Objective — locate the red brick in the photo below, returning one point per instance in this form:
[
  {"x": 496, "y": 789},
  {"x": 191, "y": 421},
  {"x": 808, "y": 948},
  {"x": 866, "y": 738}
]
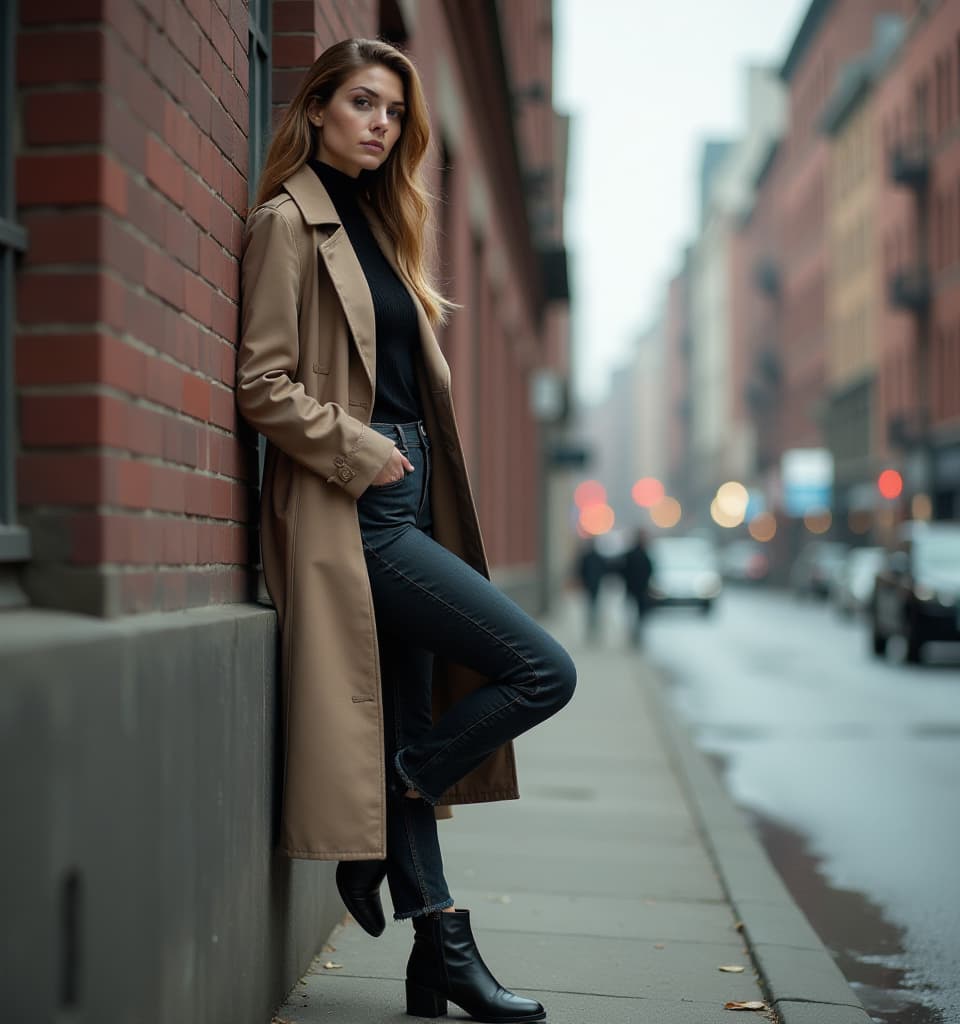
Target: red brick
[
  {"x": 50, "y": 58},
  {"x": 223, "y": 408},
  {"x": 129, "y": 23},
  {"x": 197, "y": 495},
  {"x": 212, "y": 67},
  {"x": 164, "y": 277},
  {"x": 129, "y": 79},
  {"x": 294, "y": 51},
  {"x": 241, "y": 64},
  {"x": 56, "y": 421},
  {"x": 164, "y": 384},
  {"x": 198, "y": 202},
  {"x": 62, "y": 237},
  {"x": 221, "y": 498},
  {"x": 165, "y": 170},
  {"x": 165, "y": 63},
  {"x": 63, "y": 118},
  {"x": 197, "y": 99},
  {"x": 125, "y": 137},
  {"x": 198, "y": 299},
  {"x": 293, "y": 16},
  {"x": 77, "y": 297},
  {"x": 70, "y": 479},
  {"x": 71, "y": 178},
  {"x": 182, "y": 30},
  {"x": 147, "y": 212},
  {"x": 221, "y": 36},
  {"x": 200, "y": 9},
  {"x": 196, "y": 397},
  {"x": 52, "y": 12},
  {"x": 225, "y": 320},
  {"x": 168, "y": 488},
  {"x": 181, "y": 134}
]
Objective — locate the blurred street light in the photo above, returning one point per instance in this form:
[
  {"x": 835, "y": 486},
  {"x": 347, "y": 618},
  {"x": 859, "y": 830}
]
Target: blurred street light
[
  {"x": 597, "y": 519},
  {"x": 647, "y": 492},
  {"x": 590, "y": 492},
  {"x": 763, "y": 528},
  {"x": 666, "y": 513},
  {"x": 818, "y": 521},
  {"x": 890, "y": 484}
]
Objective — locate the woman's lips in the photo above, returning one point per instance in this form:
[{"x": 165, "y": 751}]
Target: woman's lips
[{"x": 378, "y": 146}]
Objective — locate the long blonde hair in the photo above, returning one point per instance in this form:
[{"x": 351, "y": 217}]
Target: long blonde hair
[{"x": 395, "y": 191}]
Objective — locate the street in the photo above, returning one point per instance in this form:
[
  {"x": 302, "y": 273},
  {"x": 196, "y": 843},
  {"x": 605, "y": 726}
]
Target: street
[{"x": 850, "y": 769}]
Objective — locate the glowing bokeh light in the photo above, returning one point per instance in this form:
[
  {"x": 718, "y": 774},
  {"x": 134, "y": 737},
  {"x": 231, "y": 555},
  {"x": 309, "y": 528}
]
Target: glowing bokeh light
[
  {"x": 723, "y": 518},
  {"x": 647, "y": 492},
  {"x": 763, "y": 528},
  {"x": 732, "y": 499},
  {"x": 666, "y": 513},
  {"x": 818, "y": 521},
  {"x": 890, "y": 484},
  {"x": 597, "y": 519},
  {"x": 590, "y": 492}
]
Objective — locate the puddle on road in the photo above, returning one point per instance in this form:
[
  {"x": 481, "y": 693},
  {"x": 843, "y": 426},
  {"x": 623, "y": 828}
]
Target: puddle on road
[{"x": 868, "y": 948}]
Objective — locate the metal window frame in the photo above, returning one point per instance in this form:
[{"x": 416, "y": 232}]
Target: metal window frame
[
  {"x": 14, "y": 539},
  {"x": 260, "y": 72}
]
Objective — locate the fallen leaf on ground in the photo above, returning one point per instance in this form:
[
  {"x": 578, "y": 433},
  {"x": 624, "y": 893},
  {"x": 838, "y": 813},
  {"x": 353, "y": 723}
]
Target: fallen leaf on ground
[
  {"x": 732, "y": 968},
  {"x": 331, "y": 966},
  {"x": 327, "y": 948},
  {"x": 659, "y": 945},
  {"x": 752, "y": 1004},
  {"x": 739, "y": 926}
]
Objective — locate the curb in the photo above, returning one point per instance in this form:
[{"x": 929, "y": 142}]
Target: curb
[{"x": 801, "y": 980}]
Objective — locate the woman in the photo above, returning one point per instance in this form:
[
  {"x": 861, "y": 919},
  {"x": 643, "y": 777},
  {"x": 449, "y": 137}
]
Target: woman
[{"x": 406, "y": 674}]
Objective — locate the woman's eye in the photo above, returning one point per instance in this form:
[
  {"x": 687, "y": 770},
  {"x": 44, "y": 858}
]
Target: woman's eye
[
  {"x": 396, "y": 114},
  {"x": 362, "y": 101}
]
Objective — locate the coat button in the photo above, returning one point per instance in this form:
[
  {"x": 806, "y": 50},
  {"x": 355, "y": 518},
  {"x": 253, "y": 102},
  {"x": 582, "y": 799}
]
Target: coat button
[
  {"x": 346, "y": 474},
  {"x": 339, "y": 460}
]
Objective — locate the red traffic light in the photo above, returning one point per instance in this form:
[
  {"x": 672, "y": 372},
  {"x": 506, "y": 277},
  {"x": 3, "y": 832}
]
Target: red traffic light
[{"x": 890, "y": 484}]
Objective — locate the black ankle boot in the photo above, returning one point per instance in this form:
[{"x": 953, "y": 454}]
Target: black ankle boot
[
  {"x": 358, "y": 882},
  {"x": 445, "y": 964}
]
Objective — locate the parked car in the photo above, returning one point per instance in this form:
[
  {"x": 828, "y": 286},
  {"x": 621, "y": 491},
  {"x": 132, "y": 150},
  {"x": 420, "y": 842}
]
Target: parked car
[
  {"x": 816, "y": 566},
  {"x": 853, "y": 585},
  {"x": 744, "y": 561},
  {"x": 685, "y": 572},
  {"x": 917, "y": 592}
]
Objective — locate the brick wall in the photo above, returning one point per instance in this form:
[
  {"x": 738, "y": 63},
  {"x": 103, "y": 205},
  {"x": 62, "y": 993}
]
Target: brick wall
[{"x": 131, "y": 181}]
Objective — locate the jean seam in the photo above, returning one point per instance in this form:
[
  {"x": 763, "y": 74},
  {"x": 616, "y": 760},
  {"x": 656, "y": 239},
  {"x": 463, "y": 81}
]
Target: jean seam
[{"x": 411, "y": 844}]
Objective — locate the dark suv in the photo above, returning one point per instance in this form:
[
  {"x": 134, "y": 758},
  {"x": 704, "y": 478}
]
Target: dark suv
[{"x": 917, "y": 591}]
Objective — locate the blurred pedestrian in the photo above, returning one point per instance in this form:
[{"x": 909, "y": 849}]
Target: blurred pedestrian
[
  {"x": 637, "y": 569},
  {"x": 371, "y": 549},
  {"x": 591, "y": 568}
]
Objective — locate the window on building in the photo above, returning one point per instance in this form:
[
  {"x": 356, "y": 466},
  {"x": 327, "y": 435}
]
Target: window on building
[
  {"x": 260, "y": 93},
  {"x": 14, "y": 541}
]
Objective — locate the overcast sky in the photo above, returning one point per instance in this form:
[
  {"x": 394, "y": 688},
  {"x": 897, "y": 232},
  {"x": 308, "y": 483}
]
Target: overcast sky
[{"x": 646, "y": 82}]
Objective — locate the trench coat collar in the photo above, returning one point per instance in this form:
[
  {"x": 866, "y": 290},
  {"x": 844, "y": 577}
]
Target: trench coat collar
[{"x": 308, "y": 192}]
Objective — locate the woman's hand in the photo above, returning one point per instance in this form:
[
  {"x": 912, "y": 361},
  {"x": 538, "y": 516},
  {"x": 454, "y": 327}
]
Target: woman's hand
[{"x": 398, "y": 465}]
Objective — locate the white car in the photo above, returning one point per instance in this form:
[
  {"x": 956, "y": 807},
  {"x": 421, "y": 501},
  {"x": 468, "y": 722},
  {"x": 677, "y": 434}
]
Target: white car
[{"x": 685, "y": 572}]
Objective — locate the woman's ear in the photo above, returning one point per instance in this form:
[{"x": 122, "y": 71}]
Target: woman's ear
[{"x": 315, "y": 112}]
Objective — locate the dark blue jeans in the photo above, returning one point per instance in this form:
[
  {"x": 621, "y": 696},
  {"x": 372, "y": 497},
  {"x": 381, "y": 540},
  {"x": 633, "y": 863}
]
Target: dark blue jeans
[{"x": 429, "y": 602}]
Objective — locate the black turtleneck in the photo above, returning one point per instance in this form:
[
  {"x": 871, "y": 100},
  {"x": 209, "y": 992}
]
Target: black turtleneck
[{"x": 397, "y": 398}]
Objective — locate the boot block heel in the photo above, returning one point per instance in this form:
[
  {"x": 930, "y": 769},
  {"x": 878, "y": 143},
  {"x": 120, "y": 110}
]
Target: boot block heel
[{"x": 424, "y": 1002}]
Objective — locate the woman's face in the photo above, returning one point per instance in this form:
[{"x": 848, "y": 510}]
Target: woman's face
[{"x": 362, "y": 121}]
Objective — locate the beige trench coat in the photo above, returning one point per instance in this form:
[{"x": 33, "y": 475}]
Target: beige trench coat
[{"x": 306, "y": 375}]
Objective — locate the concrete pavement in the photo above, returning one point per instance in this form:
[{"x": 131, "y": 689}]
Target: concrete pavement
[{"x": 614, "y": 890}]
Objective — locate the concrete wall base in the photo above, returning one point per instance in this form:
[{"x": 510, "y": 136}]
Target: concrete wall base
[{"x": 139, "y": 801}]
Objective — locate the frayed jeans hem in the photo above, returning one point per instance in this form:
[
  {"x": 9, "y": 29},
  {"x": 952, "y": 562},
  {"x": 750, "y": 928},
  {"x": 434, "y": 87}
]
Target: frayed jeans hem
[
  {"x": 432, "y": 909},
  {"x": 411, "y": 783}
]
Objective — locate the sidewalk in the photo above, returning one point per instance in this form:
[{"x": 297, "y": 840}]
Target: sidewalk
[{"x": 614, "y": 890}]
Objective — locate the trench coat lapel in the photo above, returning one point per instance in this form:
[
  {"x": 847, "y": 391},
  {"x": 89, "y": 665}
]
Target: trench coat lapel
[{"x": 342, "y": 265}]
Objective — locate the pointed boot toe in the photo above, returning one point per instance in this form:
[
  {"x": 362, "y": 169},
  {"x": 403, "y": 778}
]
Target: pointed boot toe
[{"x": 358, "y": 882}]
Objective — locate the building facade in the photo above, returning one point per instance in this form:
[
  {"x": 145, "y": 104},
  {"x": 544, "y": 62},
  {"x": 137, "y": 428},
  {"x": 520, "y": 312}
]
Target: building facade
[{"x": 137, "y": 672}]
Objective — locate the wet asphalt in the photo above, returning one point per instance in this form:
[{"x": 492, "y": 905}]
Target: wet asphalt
[{"x": 849, "y": 768}]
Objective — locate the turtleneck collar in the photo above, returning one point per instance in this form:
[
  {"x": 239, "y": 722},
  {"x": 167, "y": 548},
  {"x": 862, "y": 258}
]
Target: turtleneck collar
[{"x": 338, "y": 184}]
